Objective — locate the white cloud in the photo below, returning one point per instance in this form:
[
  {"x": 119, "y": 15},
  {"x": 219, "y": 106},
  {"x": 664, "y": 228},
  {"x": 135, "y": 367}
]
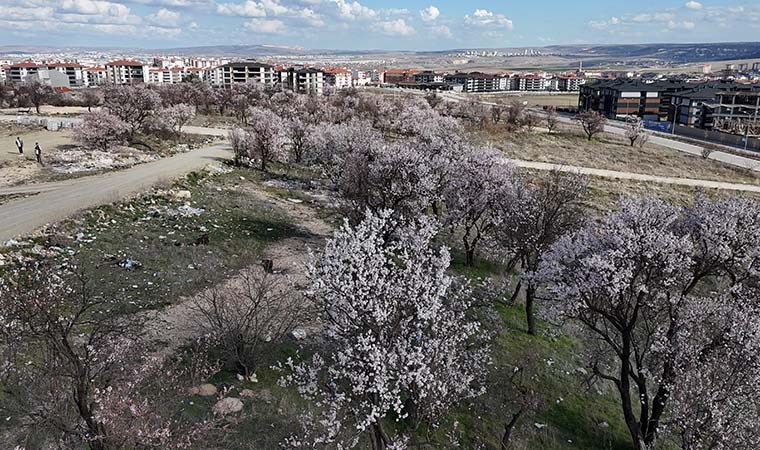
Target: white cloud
[
  {"x": 693, "y": 5},
  {"x": 265, "y": 26},
  {"x": 93, "y": 7},
  {"x": 682, "y": 25},
  {"x": 396, "y": 27},
  {"x": 164, "y": 18},
  {"x": 353, "y": 10},
  {"x": 442, "y": 31},
  {"x": 246, "y": 9},
  {"x": 430, "y": 13},
  {"x": 485, "y": 18}
]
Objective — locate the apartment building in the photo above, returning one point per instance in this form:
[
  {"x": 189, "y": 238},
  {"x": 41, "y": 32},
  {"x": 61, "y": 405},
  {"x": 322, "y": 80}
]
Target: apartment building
[
  {"x": 620, "y": 98},
  {"x": 338, "y": 77},
  {"x": 18, "y": 72},
  {"x": 305, "y": 80},
  {"x": 125, "y": 71},
  {"x": 94, "y": 76},
  {"x": 428, "y": 76},
  {"x": 395, "y": 76},
  {"x": 479, "y": 82},
  {"x": 532, "y": 83},
  {"x": 73, "y": 71},
  {"x": 244, "y": 72},
  {"x": 737, "y": 111}
]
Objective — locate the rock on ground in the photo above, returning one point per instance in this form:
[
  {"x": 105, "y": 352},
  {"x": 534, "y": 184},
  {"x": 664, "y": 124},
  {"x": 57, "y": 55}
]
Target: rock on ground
[
  {"x": 227, "y": 406},
  {"x": 204, "y": 390}
]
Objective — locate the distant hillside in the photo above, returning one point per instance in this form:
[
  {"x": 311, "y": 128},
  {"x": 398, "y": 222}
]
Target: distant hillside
[{"x": 677, "y": 53}]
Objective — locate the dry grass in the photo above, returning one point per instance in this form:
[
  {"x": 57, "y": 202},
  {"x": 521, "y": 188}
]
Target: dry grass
[
  {"x": 535, "y": 100},
  {"x": 568, "y": 146}
]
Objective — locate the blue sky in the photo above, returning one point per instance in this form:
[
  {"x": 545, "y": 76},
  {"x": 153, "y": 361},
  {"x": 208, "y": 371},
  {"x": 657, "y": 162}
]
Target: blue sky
[{"x": 373, "y": 24}]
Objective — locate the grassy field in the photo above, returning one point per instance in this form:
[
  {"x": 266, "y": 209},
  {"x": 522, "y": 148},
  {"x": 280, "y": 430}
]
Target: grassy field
[{"x": 570, "y": 147}]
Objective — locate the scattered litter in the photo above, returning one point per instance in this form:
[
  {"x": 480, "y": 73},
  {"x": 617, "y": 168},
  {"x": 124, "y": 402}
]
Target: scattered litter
[
  {"x": 295, "y": 200},
  {"x": 189, "y": 211}
]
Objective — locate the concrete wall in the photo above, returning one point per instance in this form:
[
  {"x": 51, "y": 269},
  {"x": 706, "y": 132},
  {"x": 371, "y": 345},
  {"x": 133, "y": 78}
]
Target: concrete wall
[{"x": 50, "y": 123}]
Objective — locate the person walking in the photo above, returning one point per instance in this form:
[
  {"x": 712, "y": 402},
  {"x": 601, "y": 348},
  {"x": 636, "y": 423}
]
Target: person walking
[
  {"x": 20, "y": 146},
  {"x": 38, "y": 153}
]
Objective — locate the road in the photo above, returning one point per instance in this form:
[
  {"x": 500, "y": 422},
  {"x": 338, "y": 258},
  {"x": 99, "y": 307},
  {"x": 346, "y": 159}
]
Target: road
[
  {"x": 724, "y": 157},
  {"x": 637, "y": 176},
  {"x": 57, "y": 201}
]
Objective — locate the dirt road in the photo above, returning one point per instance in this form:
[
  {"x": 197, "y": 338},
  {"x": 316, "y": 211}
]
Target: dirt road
[{"x": 57, "y": 201}]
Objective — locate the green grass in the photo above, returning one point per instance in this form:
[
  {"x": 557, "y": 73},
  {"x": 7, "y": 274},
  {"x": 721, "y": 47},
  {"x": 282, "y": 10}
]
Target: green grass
[{"x": 174, "y": 261}]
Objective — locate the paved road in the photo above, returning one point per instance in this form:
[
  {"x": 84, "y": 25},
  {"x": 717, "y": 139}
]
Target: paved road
[{"x": 57, "y": 201}]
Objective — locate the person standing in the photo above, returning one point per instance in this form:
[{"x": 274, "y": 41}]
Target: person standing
[
  {"x": 20, "y": 146},
  {"x": 38, "y": 152}
]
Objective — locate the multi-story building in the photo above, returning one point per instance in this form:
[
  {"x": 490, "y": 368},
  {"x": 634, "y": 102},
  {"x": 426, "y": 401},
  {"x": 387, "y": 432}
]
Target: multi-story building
[
  {"x": 737, "y": 112},
  {"x": 94, "y": 76},
  {"x": 394, "y": 76},
  {"x": 338, "y": 77},
  {"x": 532, "y": 83},
  {"x": 428, "y": 76},
  {"x": 18, "y": 72},
  {"x": 244, "y": 72},
  {"x": 305, "y": 80},
  {"x": 4, "y": 72},
  {"x": 479, "y": 82},
  {"x": 73, "y": 70},
  {"x": 623, "y": 97},
  {"x": 125, "y": 71}
]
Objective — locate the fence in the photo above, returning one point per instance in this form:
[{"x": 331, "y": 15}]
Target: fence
[{"x": 719, "y": 137}]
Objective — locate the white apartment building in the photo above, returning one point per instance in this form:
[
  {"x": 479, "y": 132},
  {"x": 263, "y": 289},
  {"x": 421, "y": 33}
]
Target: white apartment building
[
  {"x": 361, "y": 77},
  {"x": 18, "y": 72},
  {"x": 124, "y": 71},
  {"x": 338, "y": 77},
  {"x": 74, "y": 71},
  {"x": 94, "y": 76},
  {"x": 532, "y": 83}
]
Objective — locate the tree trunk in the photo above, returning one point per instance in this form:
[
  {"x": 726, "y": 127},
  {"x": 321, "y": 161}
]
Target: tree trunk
[
  {"x": 530, "y": 295},
  {"x": 624, "y": 389},
  {"x": 508, "y": 428},
  {"x": 469, "y": 257},
  {"x": 379, "y": 437}
]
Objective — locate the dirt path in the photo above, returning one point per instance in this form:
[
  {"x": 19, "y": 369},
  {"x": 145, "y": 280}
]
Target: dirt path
[
  {"x": 637, "y": 176},
  {"x": 59, "y": 201},
  {"x": 175, "y": 326}
]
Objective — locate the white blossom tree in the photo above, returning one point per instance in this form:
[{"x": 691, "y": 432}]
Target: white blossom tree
[
  {"x": 636, "y": 282},
  {"x": 134, "y": 105},
  {"x": 635, "y": 132},
  {"x": 101, "y": 130},
  {"x": 541, "y": 213},
  {"x": 592, "y": 123},
  {"x": 266, "y": 136},
  {"x": 400, "y": 342},
  {"x": 484, "y": 185},
  {"x": 176, "y": 116}
]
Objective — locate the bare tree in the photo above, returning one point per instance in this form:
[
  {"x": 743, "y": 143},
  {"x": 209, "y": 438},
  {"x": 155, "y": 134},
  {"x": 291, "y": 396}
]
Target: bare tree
[
  {"x": 551, "y": 118},
  {"x": 36, "y": 93},
  {"x": 592, "y": 123},
  {"x": 248, "y": 312}
]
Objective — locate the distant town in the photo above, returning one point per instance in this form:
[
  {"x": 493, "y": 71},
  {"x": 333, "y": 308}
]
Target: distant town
[{"x": 719, "y": 102}]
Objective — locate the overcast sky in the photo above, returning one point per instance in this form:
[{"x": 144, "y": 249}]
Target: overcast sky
[{"x": 373, "y": 24}]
